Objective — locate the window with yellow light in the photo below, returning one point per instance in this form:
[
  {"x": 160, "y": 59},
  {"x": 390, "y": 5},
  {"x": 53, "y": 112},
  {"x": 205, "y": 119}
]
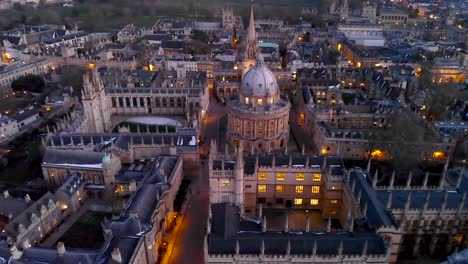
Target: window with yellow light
[
  {"x": 280, "y": 176},
  {"x": 438, "y": 155},
  {"x": 262, "y": 188},
  {"x": 262, "y": 176},
  {"x": 315, "y": 189},
  {"x": 300, "y": 177},
  {"x": 316, "y": 177},
  {"x": 298, "y": 201},
  {"x": 314, "y": 201},
  {"x": 334, "y": 201},
  {"x": 299, "y": 188},
  {"x": 279, "y": 188}
]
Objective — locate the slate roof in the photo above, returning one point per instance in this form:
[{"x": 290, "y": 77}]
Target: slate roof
[
  {"x": 34, "y": 255},
  {"x": 418, "y": 198},
  {"x": 24, "y": 114},
  {"x": 158, "y": 37},
  {"x": 78, "y": 157},
  {"x": 173, "y": 44},
  {"x": 227, "y": 228},
  {"x": 332, "y": 162},
  {"x": 377, "y": 214},
  {"x": 12, "y": 39},
  {"x": 25, "y": 217},
  {"x": 12, "y": 205},
  {"x": 122, "y": 140}
]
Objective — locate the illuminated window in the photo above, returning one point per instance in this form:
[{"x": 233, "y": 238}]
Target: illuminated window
[
  {"x": 314, "y": 201},
  {"x": 262, "y": 188},
  {"x": 247, "y": 100},
  {"x": 224, "y": 183},
  {"x": 317, "y": 177},
  {"x": 300, "y": 177},
  {"x": 299, "y": 188},
  {"x": 279, "y": 188},
  {"x": 262, "y": 176},
  {"x": 315, "y": 189},
  {"x": 333, "y": 201},
  {"x": 298, "y": 201},
  {"x": 260, "y": 102},
  {"x": 280, "y": 176},
  {"x": 458, "y": 239},
  {"x": 122, "y": 188}
]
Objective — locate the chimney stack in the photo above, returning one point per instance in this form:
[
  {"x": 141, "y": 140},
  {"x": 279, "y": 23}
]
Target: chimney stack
[
  {"x": 61, "y": 249},
  {"x": 116, "y": 256}
]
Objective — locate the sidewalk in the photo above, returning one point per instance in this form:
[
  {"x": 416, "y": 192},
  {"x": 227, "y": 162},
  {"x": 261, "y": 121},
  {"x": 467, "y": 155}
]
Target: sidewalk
[{"x": 63, "y": 228}]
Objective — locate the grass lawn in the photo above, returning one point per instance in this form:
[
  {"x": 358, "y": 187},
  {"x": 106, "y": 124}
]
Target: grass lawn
[{"x": 86, "y": 233}]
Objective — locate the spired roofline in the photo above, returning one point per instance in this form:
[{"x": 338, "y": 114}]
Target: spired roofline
[{"x": 251, "y": 33}]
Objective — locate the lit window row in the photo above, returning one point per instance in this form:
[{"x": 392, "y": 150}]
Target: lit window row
[
  {"x": 300, "y": 201},
  {"x": 281, "y": 176},
  {"x": 281, "y": 188}
]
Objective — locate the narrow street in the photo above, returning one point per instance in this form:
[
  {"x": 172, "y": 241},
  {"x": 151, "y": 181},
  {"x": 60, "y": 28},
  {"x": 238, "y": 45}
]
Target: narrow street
[{"x": 186, "y": 243}]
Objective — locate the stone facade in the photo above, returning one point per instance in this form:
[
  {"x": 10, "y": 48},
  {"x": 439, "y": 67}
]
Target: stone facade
[{"x": 173, "y": 95}]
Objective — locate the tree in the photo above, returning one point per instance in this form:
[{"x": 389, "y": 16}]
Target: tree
[
  {"x": 398, "y": 139},
  {"x": 72, "y": 75},
  {"x": 201, "y": 36},
  {"x": 440, "y": 96},
  {"x": 32, "y": 83}
]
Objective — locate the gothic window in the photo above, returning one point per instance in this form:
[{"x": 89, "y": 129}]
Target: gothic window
[
  {"x": 127, "y": 102},
  {"x": 171, "y": 102},
  {"x": 164, "y": 102},
  {"x": 121, "y": 102},
  {"x": 114, "y": 103},
  {"x": 158, "y": 102},
  {"x": 148, "y": 102},
  {"x": 134, "y": 102},
  {"x": 142, "y": 101}
]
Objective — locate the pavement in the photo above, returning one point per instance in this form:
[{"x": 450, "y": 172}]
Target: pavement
[{"x": 63, "y": 227}]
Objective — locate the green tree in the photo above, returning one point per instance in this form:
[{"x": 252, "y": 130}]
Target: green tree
[{"x": 32, "y": 83}]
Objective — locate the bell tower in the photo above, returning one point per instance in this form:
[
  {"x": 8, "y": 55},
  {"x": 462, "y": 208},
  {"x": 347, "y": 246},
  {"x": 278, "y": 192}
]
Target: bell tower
[
  {"x": 228, "y": 19},
  {"x": 95, "y": 103}
]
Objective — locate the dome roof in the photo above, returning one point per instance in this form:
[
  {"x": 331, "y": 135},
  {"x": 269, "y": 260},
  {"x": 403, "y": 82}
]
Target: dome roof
[{"x": 259, "y": 81}]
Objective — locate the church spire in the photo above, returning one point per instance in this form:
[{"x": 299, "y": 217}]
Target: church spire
[
  {"x": 252, "y": 35},
  {"x": 251, "y": 40}
]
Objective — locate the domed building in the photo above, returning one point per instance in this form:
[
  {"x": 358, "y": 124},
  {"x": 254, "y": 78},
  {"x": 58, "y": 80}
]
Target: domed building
[{"x": 258, "y": 118}]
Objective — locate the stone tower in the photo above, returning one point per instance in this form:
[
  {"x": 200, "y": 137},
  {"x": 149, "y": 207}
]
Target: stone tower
[
  {"x": 251, "y": 48},
  {"x": 95, "y": 104},
  {"x": 344, "y": 11},
  {"x": 369, "y": 10},
  {"x": 333, "y": 7},
  {"x": 228, "y": 19}
]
